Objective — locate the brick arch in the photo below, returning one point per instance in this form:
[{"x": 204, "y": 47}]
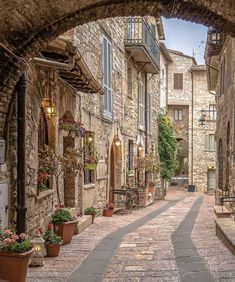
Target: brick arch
[{"x": 27, "y": 25}]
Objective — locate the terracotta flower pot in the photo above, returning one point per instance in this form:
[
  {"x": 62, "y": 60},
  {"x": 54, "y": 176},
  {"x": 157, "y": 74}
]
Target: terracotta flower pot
[
  {"x": 108, "y": 212},
  {"x": 53, "y": 250},
  {"x": 14, "y": 266},
  {"x": 65, "y": 230}
]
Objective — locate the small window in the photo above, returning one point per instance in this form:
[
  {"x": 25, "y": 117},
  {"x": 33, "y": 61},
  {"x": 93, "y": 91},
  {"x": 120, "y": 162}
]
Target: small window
[
  {"x": 178, "y": 81},
  {"x": 210, "y": 142},
  {"x": 107, "y": 79},
  {"x": 212, "y": 112},
  {"x": 178, "y": 114},
  {"x": 130, "y": 155},
  {"x": 141, "y": 105}
]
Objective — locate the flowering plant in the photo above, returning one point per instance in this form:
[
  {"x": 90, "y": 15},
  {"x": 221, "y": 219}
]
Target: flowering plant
[
  {"x": 12, "y": 243},
  {"x": 110, "y": 205},
  {"x": 72, "y": 125},
  {"x": 61, "y": 215},
  {"x": 41, "y": 180},
  {"x": 50, "y": 237}
]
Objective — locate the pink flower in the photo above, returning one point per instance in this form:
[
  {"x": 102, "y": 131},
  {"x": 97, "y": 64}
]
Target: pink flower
[
  {"x": 22, "y": 236},
  {"x": 14, "y": 237},
  {"x": 7, "y": 241},
  {"x": 50, "y": 226},
  {"x": 40, "y": 230},
  {"x": 8, "y": 232}
]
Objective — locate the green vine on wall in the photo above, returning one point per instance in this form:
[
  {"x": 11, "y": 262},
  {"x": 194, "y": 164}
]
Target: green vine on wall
[{"x": 167, "y": 147}]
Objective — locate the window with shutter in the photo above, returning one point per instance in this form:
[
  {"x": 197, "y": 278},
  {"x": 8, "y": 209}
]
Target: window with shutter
[
  {"x": 149, "y": 114},
  {"x": 212, "y": 112},
  {"x": 178, "y": 81},
  {"x": 129, "y": 80},
  {"x": 141, "y": 105},
  {"x": 107, "y": 80},
  {"x": 130, "y": 155},
  {"x": 210, "y": 142},
  {"x": 178, "y": 114}
]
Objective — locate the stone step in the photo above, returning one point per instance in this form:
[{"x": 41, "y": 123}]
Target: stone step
[
  {"x": 221, "y": 212},
  {"x": 83, "y": 223},
  {"x": 225, "y": 230}
]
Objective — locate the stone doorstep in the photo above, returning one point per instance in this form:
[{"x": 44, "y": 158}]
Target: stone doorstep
[
  {"x": 222, "y": 213},
  {"x": 225, "y": 230},
  {"x": 83, "y": 223}
]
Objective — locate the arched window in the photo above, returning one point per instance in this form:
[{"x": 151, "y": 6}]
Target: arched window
[{"x": 221, "y": 165}]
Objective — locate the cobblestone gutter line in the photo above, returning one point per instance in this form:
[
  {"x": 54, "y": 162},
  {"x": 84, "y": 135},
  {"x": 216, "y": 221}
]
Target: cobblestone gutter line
[
  {"x": 147, "y": 254},
  {"x": 219, "y": 259},
  {"x": 71, "y": 256},
  {"x": 190, "y": 264}
]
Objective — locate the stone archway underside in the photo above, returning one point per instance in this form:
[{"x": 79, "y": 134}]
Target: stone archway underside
[{"x": 27, "y": 25}]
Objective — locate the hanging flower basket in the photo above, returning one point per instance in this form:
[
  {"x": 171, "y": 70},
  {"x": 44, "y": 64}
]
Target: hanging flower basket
[
  {"x": 72, "y": 126},
  {"x": 91, "y": 165}
]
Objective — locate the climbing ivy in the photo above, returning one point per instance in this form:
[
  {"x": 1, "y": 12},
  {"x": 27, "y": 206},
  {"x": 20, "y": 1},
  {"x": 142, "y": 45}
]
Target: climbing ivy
[{"x": 167, "y": 147}]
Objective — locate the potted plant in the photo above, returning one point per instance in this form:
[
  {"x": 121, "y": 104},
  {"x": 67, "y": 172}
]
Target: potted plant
[
  {"x": 72, "y": 126},
  {"x": 52, "y": 241},
  {"x": 55, "y": 164},
  {"x": 91, "y": 211},
  {"x": 64, "y": 224},
  {"x": 108, "y": 211},
  {"x": 15, "y": 253}
]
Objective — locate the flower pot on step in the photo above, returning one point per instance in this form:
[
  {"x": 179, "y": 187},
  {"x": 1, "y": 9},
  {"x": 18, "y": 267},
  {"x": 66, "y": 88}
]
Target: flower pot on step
[
  {"x": 108, "y": 212},
  {"x": 14, "y": 266},
  {"x": 65, "y": 230},
  {"x": 53, "y": 250}
]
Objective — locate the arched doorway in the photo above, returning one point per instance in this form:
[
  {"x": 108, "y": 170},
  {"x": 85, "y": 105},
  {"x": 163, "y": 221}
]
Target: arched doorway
[
  {"x": 228, "y": 142},
  {"x": 115, "y": 169},
  {"x": 220, "y": 165},
  {"x": 69, "y": 179}
]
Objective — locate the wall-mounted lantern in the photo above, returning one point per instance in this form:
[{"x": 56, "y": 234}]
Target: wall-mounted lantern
[
  {"x": 49, "y": 108},
  {"x": 202, "y": 119},
  {"x": 117, "y": 140}
]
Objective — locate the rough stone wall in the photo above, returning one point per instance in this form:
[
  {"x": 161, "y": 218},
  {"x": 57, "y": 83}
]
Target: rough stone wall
[
  {"x": 163, "y": 83},
  {"x": 89, "y": 39},
  {"x": 204, "y": 159},
  {"x": 182, "y": 98},
  {"x": 226, "y": 112}
]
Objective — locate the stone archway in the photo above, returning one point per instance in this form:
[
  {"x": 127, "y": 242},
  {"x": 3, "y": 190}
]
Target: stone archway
[{"x": 26, "y": 26}]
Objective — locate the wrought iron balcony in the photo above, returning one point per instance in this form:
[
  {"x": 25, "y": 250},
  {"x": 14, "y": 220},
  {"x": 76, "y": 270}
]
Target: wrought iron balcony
[
  {"x": 215, "y": 41},
  {"x": 142, "y": 45}
]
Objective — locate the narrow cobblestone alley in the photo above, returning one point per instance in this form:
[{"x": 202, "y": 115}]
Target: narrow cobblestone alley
[{"x": 143, "y": 246}]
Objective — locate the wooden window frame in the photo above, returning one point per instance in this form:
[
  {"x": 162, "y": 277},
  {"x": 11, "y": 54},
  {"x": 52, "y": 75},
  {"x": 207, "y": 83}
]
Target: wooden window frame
[
  {"x": 178, "y": 117},
  {"x": 107, "y": 77},
  {"x": 178, "y": 81}
]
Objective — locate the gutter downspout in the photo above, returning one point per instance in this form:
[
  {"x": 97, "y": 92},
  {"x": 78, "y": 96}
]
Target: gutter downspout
[
  {"x": 50, "y": 63},
  {"x": 192, "y": 128},
  {"x": 21, "y": 159}
]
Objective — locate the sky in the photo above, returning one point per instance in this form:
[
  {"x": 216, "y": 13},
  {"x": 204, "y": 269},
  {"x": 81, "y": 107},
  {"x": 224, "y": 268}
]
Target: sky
[{"x": 186, "y": 37}]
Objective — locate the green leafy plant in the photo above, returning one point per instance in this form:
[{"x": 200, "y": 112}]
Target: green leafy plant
[
  {"x": 90, "y": 210},
  {"x": 167, "y": 147},
  {"x": 61, "y": 216},
  {"x": 50, "y": 237},
  {"x": 12, "y": 243}
]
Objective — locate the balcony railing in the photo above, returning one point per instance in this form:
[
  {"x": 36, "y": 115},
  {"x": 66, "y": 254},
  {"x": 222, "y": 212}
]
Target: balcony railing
[
  {"x": 215, "y": 41},
  {"x": 140, "y": 35}
]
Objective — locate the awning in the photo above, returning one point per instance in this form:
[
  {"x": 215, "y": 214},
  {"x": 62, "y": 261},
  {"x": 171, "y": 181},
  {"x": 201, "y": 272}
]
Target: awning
[{"x": 79, "y": 76}]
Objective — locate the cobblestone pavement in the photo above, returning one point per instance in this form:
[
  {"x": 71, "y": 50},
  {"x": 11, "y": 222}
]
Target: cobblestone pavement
[{"x": 145, "y": 253}]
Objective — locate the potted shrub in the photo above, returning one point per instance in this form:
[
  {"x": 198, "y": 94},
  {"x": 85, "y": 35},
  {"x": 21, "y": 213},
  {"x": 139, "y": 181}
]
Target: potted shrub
[
  {"x": 52, "y": 241},
  {"x": 64, "y": 224},
  {"x": 91, "y": 211},
  {"x": 108, "y": 211},
  {"x": 15, "y": 253}
]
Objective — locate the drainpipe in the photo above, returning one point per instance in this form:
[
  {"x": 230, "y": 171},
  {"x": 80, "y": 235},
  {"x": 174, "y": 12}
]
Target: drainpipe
[
  {"x": 21, "y": 166},
  {"x": 192, "y": 129},
  {"x": 146, "y": 120}
]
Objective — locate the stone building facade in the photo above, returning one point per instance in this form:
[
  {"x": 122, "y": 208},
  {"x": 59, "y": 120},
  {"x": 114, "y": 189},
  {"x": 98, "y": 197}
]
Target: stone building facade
[
  {"x": 122, "y": 123},
  {"x": 189, "y": 100},
  {"x": 220, "y": 58}
]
